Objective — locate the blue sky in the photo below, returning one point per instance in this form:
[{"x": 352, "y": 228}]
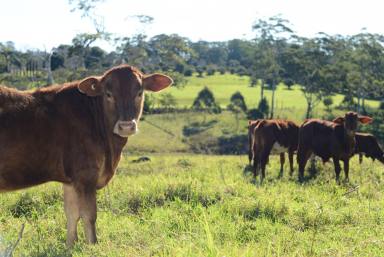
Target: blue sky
[{"x": 44, "y": 24}]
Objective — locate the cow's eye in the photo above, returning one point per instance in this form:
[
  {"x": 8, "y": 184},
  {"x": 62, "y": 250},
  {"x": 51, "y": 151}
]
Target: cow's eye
[{"x": 140, "y": 94}]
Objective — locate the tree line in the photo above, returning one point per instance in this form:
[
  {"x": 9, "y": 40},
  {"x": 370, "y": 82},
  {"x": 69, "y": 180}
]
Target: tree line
[{"x": 322, "y": 65}]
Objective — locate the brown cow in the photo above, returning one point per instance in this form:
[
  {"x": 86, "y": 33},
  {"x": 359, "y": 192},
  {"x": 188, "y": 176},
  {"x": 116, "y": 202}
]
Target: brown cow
[
  {"x": 367, "y": 144},
  {"x": 74, "y": 134},
  {"x": 251, "y": 134},
  {"x": 272, "y": 136},
  {"x": 329, "y": 139}
]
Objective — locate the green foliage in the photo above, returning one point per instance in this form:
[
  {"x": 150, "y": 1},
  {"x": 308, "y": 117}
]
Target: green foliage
[
  {"x": 263, "y": 107},
  {"x": 57, "y": 61},
  {"x": 149, "y": 103},
  {"x": 237, "y": 99},
  {"x": 167, "y": 101},
  {"x": 348, "y": 103},
  {"x": 327, "y": 101},
  {"x": 254, "y": 114},
  {"x": 206, "y": 101},
  {"x": 261, "y": 112}
]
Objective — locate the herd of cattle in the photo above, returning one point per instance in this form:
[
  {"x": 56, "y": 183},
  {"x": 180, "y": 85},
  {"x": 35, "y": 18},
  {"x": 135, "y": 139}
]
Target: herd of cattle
[
  {"x": 74, "y": 134},
  {"x": 335, "y": 139}
]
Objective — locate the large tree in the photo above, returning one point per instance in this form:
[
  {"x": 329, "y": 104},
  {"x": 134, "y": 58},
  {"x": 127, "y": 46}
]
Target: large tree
[{"x": 271, "y": 39}]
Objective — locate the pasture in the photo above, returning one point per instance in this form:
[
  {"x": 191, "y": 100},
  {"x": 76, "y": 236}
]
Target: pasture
[
  {"x": 290, "y": 103},
  {"x": 187, "y": 204},
  {"x": 197, "y": 205}
]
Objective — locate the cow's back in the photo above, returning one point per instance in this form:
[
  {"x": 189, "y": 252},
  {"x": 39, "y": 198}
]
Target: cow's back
[
  {"x": 322, "y": 137},
  {"x": 45, "y": 136},
  {"x": 287, "y": 133}
]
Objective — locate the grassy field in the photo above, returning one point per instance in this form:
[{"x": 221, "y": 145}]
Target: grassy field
[
  {"x": 184, "y": 204},
  {"x": 289, "y": 103},
  {"x": 193, "y": 205}
]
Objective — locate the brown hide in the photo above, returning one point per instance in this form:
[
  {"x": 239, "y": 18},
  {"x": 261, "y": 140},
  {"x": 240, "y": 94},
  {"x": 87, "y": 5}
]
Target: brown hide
[
  {"x": 265, "y": 135},
  {"x": 74, "y": 134},
  {"x": 329, "y": 139},
  {"x": 367, "y": 144}
]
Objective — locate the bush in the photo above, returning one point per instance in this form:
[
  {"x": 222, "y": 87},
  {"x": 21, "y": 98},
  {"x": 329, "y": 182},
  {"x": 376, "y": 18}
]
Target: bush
[
  {"x": 211, "y": 69},
  {"x": 328, "y": 101},
  {"x": 167, "y": 101},
  {"x": 347, "y": 103},
  {"x": 188, "y": 72},
  {"x": 206, "y": 101},
  {"x": 289, "y": 83},
  {"x": 254, "y": 114},
  {"x": 381, "y": 106},
  {"x": 263, "y": 107},
  {"x": 149, "y": 103},
  {"x": 237, "y": 99},
  {"x": 235, "y": 144},
  {"x": 180, "y": 68}
]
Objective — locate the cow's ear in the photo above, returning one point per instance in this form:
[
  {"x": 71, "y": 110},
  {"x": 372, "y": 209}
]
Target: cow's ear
[
  {"x": 90, "y": 86},
  {"x": 365, "y": 119},
  {"x": 339, "y": 120},
  {"x": 156, "y": 82}
]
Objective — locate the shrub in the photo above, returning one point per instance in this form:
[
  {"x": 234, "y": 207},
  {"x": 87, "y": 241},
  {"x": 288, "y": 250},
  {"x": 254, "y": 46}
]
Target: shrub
[
  {"x": 167, "y": 101},
  {"x": 254, "y": 114},
  {"x": 237, "y": 99},
  {"x": 263, "y": 107},
  {"x": 188, "y": 72},
  {"x": 206, "y": 101}
]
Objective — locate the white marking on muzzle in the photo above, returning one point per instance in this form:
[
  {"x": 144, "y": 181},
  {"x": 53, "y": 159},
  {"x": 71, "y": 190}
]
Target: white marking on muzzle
[{"x": 125, "y": 128}]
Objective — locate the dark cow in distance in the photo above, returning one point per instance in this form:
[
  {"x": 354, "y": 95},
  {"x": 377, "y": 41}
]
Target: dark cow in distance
[
  {"x": 367, "y": 144},
  {"x": 329, "y": 139},
  {"x": 73, "y": 134},
  {"x": 271, "y": 136}
]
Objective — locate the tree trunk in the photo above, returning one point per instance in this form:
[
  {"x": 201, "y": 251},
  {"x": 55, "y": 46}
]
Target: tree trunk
[
  {"x": 262, "y": 89},
  {"x": 50, "y": 80},
  {"x": 358, "y": 104},
  {"x": 309, "y": 109},
  {"x": 273, "y": 100}
]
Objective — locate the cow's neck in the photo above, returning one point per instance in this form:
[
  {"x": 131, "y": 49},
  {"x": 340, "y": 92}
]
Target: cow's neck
[{"x": 350, "y": 141}]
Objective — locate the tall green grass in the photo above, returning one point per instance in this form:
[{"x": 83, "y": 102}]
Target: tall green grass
[{"x": 195, "y": 205}]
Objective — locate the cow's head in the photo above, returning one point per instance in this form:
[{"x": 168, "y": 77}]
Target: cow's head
[
  {"x": 122, "y": 89},
  {"x": 351, "y": 119}
]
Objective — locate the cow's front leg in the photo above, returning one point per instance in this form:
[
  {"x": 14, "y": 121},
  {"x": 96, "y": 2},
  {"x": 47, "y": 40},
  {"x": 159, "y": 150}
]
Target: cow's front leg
[
  {"x": 88, "y": 212},
  {"x": 290, "y": 157},
  {"x": 282, "y": 161},
  {"x": 346, "y": 169},
  {"x": 72, "y": 212},
  {"x": 336, "y": 163}
]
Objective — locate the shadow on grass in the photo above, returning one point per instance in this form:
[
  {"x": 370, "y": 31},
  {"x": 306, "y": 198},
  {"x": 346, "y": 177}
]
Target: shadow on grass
[{"x": 313, "y": 173}]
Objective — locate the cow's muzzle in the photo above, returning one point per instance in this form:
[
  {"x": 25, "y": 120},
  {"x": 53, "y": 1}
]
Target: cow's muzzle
[{"x": 125, "y": 128}]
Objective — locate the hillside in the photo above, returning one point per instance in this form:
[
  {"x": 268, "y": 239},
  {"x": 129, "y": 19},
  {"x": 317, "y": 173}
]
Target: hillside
[{"x": 289, "y": 103}]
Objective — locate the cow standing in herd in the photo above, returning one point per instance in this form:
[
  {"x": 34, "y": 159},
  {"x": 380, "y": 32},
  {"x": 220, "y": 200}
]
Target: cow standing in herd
[
  {"x": 366, "y": 144},
  {"x": 271, "y": 136},
  {"x": 329, "y": 139},
  {"x": 74, "y": 134}
]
